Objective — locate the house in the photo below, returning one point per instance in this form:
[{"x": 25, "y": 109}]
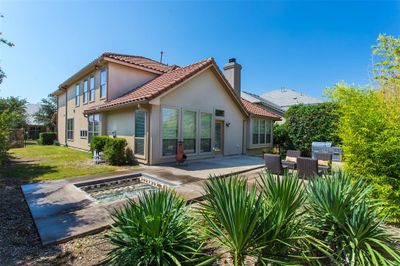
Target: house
[
  {"x": 288, "y": 97},
  {"x": 153, "y": 106},
  {"x": 33, "y": 128},
  {"x": 264, "y": 103}
]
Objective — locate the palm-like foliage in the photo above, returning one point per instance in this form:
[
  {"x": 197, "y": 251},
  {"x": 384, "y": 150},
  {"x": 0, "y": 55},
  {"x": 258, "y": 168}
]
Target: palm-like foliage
[
  {"x": 348, "y": 223},
  {"x": 156, "y": 230},
  {"x": 232, "y": 212}
]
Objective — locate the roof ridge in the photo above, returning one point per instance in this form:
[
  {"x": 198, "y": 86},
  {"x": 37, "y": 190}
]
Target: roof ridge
[{"x": 136, "y": 56}]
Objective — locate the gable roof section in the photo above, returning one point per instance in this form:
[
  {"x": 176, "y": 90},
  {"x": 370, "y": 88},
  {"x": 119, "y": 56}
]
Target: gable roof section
[
  {"x": 254, "y": 109},
  {"x": 164, "y": 83},
  {"x": 140, "y": 61}
]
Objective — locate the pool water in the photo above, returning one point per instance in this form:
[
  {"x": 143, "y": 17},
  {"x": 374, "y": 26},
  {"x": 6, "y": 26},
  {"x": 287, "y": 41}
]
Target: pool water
[{"x": 113, "y": 191}]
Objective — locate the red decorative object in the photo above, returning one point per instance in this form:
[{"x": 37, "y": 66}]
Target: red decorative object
[{"x": 180, "y": 155}]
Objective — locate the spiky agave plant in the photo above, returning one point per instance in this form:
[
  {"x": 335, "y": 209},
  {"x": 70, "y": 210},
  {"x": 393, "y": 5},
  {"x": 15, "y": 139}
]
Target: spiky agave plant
[
  {"x": 232, "y": 212},
  {"x": 348, "y": 221},
  {"x": 156, "y": 230},
  {"x": 286, "y": 240}
]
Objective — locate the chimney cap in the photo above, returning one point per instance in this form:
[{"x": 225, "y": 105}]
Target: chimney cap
[{"x": 232, "y": 60}]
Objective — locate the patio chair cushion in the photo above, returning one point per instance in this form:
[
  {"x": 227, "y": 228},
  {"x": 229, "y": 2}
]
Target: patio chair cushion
[
  {"x": 291, "y": 159},
  {"x": 323, "y": 162}
]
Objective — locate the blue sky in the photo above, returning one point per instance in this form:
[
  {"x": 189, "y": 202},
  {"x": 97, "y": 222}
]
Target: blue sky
[{"x": 306, "y": 46}]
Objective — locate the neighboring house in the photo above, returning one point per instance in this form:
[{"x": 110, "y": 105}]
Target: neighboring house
[
  {"x": 33, "y": 128},
  {"x": 264, "y": 103},
  {"x": 153, "y": 106},
  {"x": 288, "y": 97}
]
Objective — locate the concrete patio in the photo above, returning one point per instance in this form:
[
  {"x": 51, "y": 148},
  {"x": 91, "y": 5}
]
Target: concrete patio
[{"x": 61, "y": 211}]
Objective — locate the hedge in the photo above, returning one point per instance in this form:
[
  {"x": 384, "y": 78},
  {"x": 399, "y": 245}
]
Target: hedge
[
  {"x": 47, "y": 138},
  {"x": 98, "y": 142},
  {"x": 114, "y": 151}
]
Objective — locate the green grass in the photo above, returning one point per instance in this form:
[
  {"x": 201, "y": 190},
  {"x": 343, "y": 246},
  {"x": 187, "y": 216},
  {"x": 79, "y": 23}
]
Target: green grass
[{"x": 40, "y": 163}]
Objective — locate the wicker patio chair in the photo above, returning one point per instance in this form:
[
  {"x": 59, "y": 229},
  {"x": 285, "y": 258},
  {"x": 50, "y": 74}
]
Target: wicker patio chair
[
  {"x": 324, "y": 162},
  {"x": 307, "y": 167},
  {"x": 291, "y": 159},
  {"x": 273, "y": 163}
]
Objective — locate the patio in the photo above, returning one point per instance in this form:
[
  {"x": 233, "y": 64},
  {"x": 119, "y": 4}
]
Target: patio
[{"x": 61, "y": 211}]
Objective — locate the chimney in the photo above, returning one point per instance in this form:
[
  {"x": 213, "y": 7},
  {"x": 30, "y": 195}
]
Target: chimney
[{"x": 232, "y": 74}]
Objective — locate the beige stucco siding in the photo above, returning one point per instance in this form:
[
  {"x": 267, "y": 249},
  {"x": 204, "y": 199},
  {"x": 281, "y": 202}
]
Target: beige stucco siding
[
  {"x": 123, "y": 79},
  {"x": 76, "y": 112},
  {"x": 202, "y": 93}
]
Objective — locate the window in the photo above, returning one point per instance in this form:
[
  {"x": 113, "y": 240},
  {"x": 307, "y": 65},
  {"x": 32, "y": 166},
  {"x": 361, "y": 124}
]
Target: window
[
  {"x": 103, "y": 83},
  {"x": 83, "y": 134},
  {"x": 220, "y": 113},
  {"x": 70, "y": 129},
  {"x": 189, "y": 131},
  {"x": 140, "y": 131},
  {"x": 91, "y": 89},
  {"x": 77, "y": 95},
  {"x": 261, "y": 131},
  {"x": 169, "y": 131},
  {"x": 85, "y": 91},
  {"x": 93, "y": 126},
  {"x": 205, "y": 132}
]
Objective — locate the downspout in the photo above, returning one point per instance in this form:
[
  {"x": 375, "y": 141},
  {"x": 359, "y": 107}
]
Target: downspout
[{"x": 66, "y": 117}]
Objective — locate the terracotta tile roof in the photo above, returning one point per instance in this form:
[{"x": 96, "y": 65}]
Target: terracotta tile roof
[
  {"x": 157, "y": 86},
  {"x": 257, "y": 110},
  {"x": 140, "y": 61}
]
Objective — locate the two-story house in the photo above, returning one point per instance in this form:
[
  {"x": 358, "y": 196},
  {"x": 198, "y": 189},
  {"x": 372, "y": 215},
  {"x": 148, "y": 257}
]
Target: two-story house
[{"x": 153, "y": 106}]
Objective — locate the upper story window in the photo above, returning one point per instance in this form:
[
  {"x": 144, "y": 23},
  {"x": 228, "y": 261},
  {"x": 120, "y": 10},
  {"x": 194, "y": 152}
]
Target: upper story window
[
  {"x": 91, "y": 88},
  {"x": 103, "y": 83},
  {"x": 220, "y": 113},
  {"x": 85, "y": 91},
  {"x": 77, "y": 95}
]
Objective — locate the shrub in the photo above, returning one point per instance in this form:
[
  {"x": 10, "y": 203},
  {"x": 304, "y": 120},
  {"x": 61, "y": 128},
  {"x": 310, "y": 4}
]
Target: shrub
[
  {"x": 5, "y": 118},
  {"x": 156, "y": 230},
  {"x": 308, "y": 123},
  {"x": 114, "y": 151},
  {"x": 47, "y": 138},
  {"x": 98, "y": 142},
  {"x": 348, "y": 223},
  {"x": 281, "y": 136}
]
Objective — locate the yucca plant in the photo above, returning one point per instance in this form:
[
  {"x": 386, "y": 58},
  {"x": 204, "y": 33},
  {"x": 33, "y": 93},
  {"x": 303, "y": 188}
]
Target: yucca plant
[
  {"x": 348, "y": 223},
  {"x": 232, "y": 212},
  {"x": 287, "y": 239},
  {"x": 156, "y": 230}
]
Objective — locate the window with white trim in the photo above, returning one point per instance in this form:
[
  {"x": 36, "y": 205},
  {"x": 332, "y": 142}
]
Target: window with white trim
[
  {"x": 140, "y": 131},
  {"x": 77, "y": 92},
  {"x": 83, "y": 134},
  {"x": 103, "y": 83},
  {"x": 189, "y": 131},
  {"x": 70, "y": 129},
  {"x": 169, "y": 131},
  {"x": 91, "y": 89},
  {"x": 205, "y": 132},
  {"x": 85, "y": 91},
  {"x": 93, "y": 126},
  {"x": 260, "y": 131}
]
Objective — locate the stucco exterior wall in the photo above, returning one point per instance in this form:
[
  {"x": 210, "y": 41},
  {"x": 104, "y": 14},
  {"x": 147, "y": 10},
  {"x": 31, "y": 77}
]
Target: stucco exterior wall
[
  {"x": 123, "y": 79},
  {"x": 202, "y": 93},
  {"x": 76, "y": 112}
]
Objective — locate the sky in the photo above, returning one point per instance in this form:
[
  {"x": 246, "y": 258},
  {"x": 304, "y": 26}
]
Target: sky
[{"x": 306, "y": 46}]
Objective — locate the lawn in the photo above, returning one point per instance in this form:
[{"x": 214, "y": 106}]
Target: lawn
[{"x": 38, "y": 163}]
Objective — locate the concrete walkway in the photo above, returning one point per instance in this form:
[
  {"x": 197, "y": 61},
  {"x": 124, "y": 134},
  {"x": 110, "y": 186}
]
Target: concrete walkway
[{"x": 61, "y": 211}]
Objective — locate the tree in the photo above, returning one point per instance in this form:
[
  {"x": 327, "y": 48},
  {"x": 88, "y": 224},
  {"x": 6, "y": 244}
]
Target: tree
[
  {"x": 308, "y": 123},
  {"x": 8, "y": 43},
  {"x": 281, "y": 136},
  {"x": 47, "y": 109},
  {"x": 17, "y": 109}
]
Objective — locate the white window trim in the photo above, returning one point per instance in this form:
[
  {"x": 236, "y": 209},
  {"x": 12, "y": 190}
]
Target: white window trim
[
  {"x": 162, "y": 130},
  {"x": 197, "y": 138},
  {"x": 85, "y": 95},
  {"x": 90, "y": 89},
  {"x": 107, "y": 80},
  {"x": 260, "y": 145},
  {"x": 77, "y": 97},
  {"x": 212, "y": 133},
  {"x": 80, "y": 134},
  {"x": 140, "y": 156}
]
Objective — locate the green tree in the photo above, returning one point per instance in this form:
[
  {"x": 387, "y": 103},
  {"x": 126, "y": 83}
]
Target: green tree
[
  {"x": 47, "y": 109},
  {"x": 17, "y": 109},
  {"x": 308, "y": 123},
  {"x": 5, "y": 119},
  {"x": 281, "y": 136}
]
